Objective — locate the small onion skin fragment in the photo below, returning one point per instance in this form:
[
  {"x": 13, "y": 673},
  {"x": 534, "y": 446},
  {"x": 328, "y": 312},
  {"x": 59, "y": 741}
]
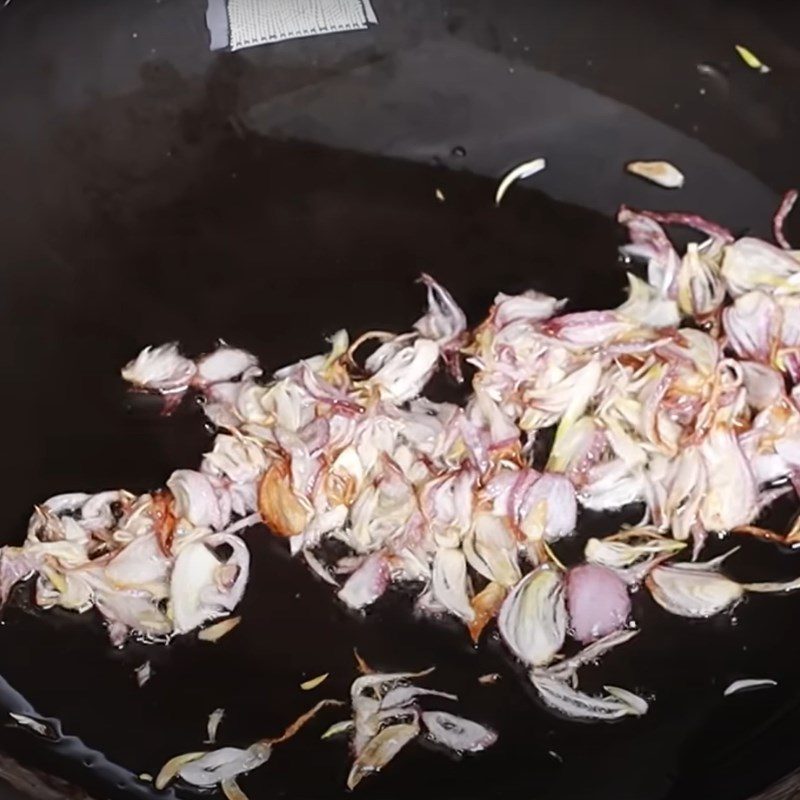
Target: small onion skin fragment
[
  {"x": 751, "y": 59},
  {"x": 345, "y": 726},
  {"x": 312, "y": 683},
  {"x": 214, "y": 721},
  {"x": 785, "y": 208},
  {"x": 232, "y": 790},
  {"x": 485, "y": 604},
  {"x": 38, "y": 726},
  {"x": 143, "y": 673},
  {"x": 279, "y": 506},
  {"x": 195, "y": 499},
  {"x": 170, "y": 770}
]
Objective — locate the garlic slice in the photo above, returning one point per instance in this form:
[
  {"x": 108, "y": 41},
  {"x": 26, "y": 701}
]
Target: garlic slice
[
  {"x": 525, "y": 170},
  {"x": 748, "y": 683},
  {"x": 661, "y": 172}
]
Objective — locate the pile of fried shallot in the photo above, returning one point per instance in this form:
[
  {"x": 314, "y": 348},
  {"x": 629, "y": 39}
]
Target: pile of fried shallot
[{"x": 685, "y": 400}]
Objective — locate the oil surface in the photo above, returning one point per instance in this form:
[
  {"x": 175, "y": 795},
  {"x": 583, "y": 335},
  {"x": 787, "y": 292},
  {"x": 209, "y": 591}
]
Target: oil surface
[{"x": 200, "y": 267}]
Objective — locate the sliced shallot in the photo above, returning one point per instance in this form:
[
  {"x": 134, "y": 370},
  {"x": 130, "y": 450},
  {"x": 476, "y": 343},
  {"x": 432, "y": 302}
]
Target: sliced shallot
[
  {"x": 576, "y": 704},
  {"x": 457, "y": 733},
  {"x": 746, "y": 684},
  {"x": 597, "y": 600},
  {"x": 520, "y": 172},
  {"x": 381, "y": 749},
  {"x": 160, "y": 369},
  {"x": 533, "y": 618},
  {"x": 692, "y": 593}
]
